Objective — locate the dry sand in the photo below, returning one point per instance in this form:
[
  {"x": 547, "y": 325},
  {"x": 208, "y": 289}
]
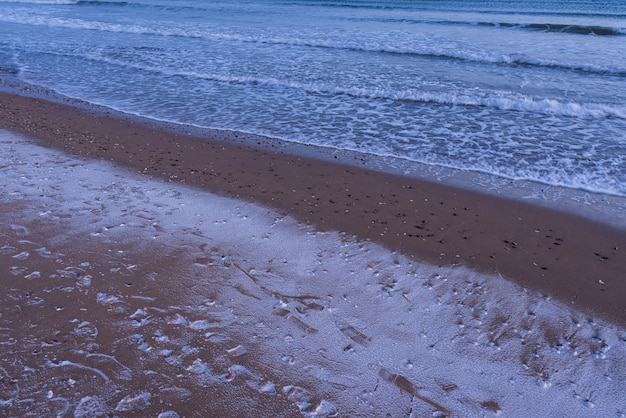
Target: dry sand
[{"x": 128, "y": 296}]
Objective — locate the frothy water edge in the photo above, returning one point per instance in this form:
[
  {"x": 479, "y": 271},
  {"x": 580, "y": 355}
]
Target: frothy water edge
[{"x": 600, "y": 206}]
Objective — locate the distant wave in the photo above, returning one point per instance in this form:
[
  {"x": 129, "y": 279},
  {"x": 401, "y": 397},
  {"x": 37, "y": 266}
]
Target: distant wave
[
  {"x": 344, "y": 44},
  {"x": 593, "y": 11},
  {"x": 564, "y": 28},
  {"x": 103, "y": 2},
  {"x": 545, "y": 27},
  {"x": 61, "y": 2},
  {"x": 539, "y": 27},
  {"x": 70, "y": 2}
]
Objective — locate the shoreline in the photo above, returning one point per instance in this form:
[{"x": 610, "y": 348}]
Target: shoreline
[
  {"x": 608, "y": 209},
  {"x": 576, "y": 260}
]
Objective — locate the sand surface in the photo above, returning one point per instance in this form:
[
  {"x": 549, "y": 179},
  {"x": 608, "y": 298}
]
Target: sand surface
[
  {"x": 553, "y": 252},
  {"x": 128, "y": 295}
]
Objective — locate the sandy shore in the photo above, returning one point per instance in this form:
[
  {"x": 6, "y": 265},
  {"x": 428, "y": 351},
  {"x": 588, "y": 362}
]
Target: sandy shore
[
  {"x": 580, "y": 262},
  {"x": 129, "y": 289}
]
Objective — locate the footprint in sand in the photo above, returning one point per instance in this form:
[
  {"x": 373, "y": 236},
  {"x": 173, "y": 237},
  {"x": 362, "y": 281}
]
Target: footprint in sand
[{"x": 354, "y": 334}]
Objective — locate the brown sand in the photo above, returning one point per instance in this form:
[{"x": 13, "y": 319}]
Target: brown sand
[
  {"x": 560, "y": 254},
  {"x": 46, "y": 322}
]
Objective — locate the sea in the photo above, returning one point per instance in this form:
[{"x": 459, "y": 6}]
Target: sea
[{"x": 518, "y": 90}]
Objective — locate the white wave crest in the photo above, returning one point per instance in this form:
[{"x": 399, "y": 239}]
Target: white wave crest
[
  {"x": 61, "y": 2},
  {"x": 503, "y": 100}
]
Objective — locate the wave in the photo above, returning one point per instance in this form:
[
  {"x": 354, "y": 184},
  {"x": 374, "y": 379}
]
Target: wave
[
  {"x": 597, "y": 30},
  {"x": 72, "y": 2},
  {"x": 101, "y": 3},
  {"x": 54, "y": 2},
  {"x": 589, "y": 9},
  {"x": 565, "y": 28},
  {"x": 351, "y": 44},
  {"x": 69, "y": 2},
  {"x": 501, "y": 100},
  {"x": 538, "y": 27},
  {"x": 546, "y": 27}
]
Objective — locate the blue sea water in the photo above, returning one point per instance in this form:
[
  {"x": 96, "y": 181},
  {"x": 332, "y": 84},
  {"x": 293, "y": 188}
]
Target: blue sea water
[{"x": 529, "y": 90}]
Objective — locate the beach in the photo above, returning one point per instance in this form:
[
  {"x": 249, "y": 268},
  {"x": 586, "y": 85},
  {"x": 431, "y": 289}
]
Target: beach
[
  {"x": 149, "y": 270},
  {"x": 546, "y": 250}
]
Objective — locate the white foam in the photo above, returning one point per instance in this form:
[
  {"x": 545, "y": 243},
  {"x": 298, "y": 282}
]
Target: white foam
[
  {"x": 135, "y": 403},
  {"x": 90, "y": 406}
]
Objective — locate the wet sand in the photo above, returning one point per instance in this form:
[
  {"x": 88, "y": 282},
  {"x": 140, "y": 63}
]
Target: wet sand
[
  {"x": 575, "y": 260},
  {"x": 124, "y": 295},
  {"x": 129, "y": 290}
]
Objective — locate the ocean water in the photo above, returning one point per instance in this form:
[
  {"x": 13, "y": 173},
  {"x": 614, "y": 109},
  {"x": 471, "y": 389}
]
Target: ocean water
[{"x": 527, "y": 90}]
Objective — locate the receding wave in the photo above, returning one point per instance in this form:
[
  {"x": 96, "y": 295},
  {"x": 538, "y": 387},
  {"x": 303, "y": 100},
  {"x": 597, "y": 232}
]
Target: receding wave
[{"x": 433, "y": 51}]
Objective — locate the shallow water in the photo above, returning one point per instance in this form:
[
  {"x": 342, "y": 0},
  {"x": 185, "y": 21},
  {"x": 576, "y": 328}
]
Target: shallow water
[{"x": 126, "y": 295}]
